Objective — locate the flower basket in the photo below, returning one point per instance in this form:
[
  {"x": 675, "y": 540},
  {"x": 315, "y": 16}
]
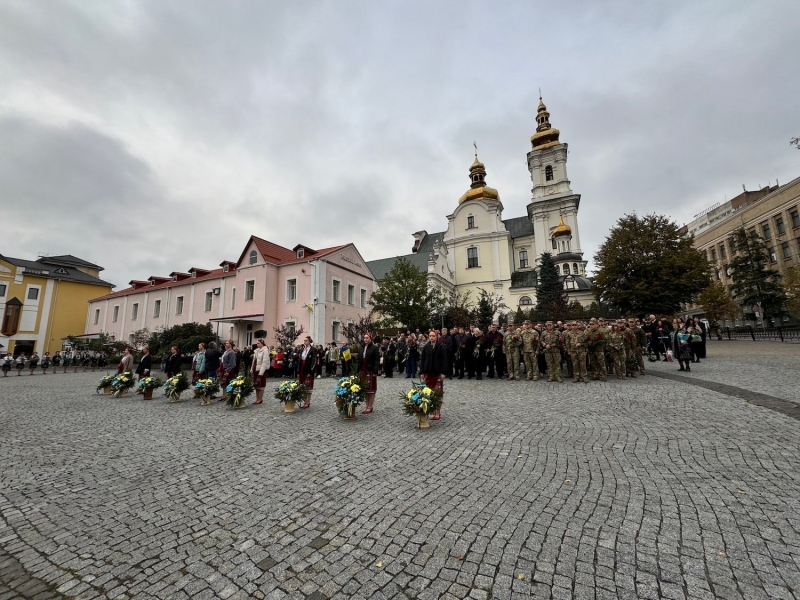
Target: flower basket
[
  {"x": 204, "y": 389},
  {"x": 175, "y": 386},
  {"x": 238, "y": 390},
  {"x": 105, "y": 384},
  {"x": 290, "y": 392},
  {"x": 420, "y": 401},
  {"x": 349, "y": 392},
  {"x": 147, "y": 385},
  {"x": 121, "y": 384}
]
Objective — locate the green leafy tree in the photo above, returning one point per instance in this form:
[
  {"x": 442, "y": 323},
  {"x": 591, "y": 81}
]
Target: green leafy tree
[
  {"x": 186, "y": 337},
  {"x": 646, "y": 266},
  {"x": 791, "y": 283},
  {"x": 754, "y": 281},
  {"x": 140, "y": 338},
  {"x": 404, "y": 297},
  {"x": 550, "y": 295},
  {"x": 718, "y": 303},
  {"x": 459, "y": 309}
]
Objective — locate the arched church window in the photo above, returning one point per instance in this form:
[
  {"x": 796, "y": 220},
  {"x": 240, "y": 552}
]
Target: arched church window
[
  {"x": 548, "y": 173},
  {"x": 575, "y": 268},
  {"x": 253, "y": 257},
  {"x": 566, "y": 269},
  {"x": 525, "y": 301}
]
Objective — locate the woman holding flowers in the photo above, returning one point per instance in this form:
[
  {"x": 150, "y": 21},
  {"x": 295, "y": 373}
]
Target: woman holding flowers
[
  {"x": 433, "y": 365},
  {"x": 228, "y": 367},
  {"x": 370, "y": 363},
  {"x": 260, "y": 367},
  {"x": 307, "y": 368}
]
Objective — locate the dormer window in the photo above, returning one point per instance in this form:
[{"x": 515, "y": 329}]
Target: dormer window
[
  {"x": 253, "y": 257},
  {"x": 548, "y": 173},
  {"x": 225, "y": 269},
  {"x": 174, "y": 278},
  {"x": 194, "y": 274},
  {"x": 301, "y": 253},
  {"x": 152, "y": 282},
  {"x": 133, "y": 286}
]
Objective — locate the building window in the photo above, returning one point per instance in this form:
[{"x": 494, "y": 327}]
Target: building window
[
  {"x": 33, "y": 293},
  {"x": 780, "y": 227},
  {"x": 767, "y": 232},
  {"x": 225, "y": 269},
  {"x": 96, "y": 316},
  {"x": 337, "y": 290},
  {"x": 566, "y": 269},
  {"x": 209, "y": 300},
  {"x": 548, "y": 173},
  {"x": 722, "y": 252},
  {"x": 156, "y": 309},
  {"x": 335, "y": 331},
  {"x": 3, "y": 288},
  {"x": 291, "y": 290},
  {"x": 795, "y": 218},
  {"x": 351, "y": 294},
  {"x": 554, "y": 243},
  {"x": 523, "y": 259},
  {"x": 249, "y": 289},
  {"x": 575, "y": 268},
  {"x": 713, "y": 254},
  {"x": 290, "y": 325},
  {"x": 787, "y": 250},
  {"x": 772, "y": 257},
  {"x": 718, "y": 276},
  {"x": 472, "y": 257},
  {"x": 525, "y": 301},
  {"x": 248, "y": 336},
  {"x": 253, "y": 257},
  {"x": 470, "y": 222},
  {"x": 135, "y": 311},
  {"x": 179, "y": 305},
  {"x": 363, "y": 298},
  {"x": 300, "y": 253},
  {"x": 115, "y": 314}
]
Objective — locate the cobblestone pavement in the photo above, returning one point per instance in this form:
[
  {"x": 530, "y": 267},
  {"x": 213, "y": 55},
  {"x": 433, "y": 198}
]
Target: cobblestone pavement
[{"x": 646, "y": 488}]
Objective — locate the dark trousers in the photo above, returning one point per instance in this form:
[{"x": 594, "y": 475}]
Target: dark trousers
[{"x": 411, "y": 366}]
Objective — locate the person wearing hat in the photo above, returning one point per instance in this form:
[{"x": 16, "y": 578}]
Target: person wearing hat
[
  {"x": 512, "y": 344},
  {"x": 551, "y": 343},
  {"x": 641, "y": 343},
  {"x": 596, "y": 340},
  {"x": 576, "y": 349}
]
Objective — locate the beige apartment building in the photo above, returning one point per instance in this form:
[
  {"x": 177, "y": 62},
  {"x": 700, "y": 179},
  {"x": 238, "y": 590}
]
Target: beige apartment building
[{"x": 773, "y": 212}]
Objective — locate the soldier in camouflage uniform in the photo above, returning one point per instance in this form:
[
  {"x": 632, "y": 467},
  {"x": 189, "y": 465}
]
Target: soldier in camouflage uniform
[
  {"x": 596, "y": 340},
  {"x": 641, "y": 344},
  {"x": 616, "y": 346},
  {"x": 530, "y": 342},
  {"x": 551, "y": 344},
  {"x": 512, "y": 344},
  {"x": 576, "y": 349},
  {"x": 630, "y": 347}
]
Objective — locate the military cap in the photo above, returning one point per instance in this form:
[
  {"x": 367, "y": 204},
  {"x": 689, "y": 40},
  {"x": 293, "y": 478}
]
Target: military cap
[
  {"x": 593, "y": 320},
  {"x": 548, "y": 323},
  {"x": 526, "y": 322}
]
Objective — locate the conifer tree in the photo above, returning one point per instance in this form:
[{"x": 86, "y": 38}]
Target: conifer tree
[
  {"x": 754, "y": 281},
  {"x": 552, "y": 300}
]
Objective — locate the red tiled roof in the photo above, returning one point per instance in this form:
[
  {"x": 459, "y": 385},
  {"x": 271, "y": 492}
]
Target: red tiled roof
[
  {"x": 215, "y": 274},
  {"x": 275, "y": 254}
]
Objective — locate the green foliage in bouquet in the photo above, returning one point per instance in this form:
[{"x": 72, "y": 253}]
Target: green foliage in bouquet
[
  {"x": 206, "y": 387},
  {"x": 149, "y": 383},
  {"x": 238, "y": 390},
  {"x": 105, "y": 382},
  {"x": 175, "y": 386},
  {"x": 123, "y": 381},
  {"x": 291, "y": 391},
  {"x": 350, "y": 392},
  {"x": 421, "y": 400}
]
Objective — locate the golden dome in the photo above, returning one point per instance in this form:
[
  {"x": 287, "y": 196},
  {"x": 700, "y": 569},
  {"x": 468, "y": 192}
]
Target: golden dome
[
  {"x": 545, "y": 136},
  {"x": 562, "y": 229},
  {"x": 478, "y": 189},
  {"x": 480, "y": 193}
]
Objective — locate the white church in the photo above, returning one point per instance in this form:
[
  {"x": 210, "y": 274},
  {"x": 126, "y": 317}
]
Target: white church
[{"x": 479, "y": 249}]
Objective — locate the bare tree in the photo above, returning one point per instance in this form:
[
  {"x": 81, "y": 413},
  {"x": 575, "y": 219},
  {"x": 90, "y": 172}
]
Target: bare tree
[
  {"x": 287, "y": 336},
  {"x": 354, "y": 332}
]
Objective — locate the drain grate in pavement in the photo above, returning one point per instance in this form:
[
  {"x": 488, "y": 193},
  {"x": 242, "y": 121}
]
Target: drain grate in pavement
[{"x": 785, "y": 407}]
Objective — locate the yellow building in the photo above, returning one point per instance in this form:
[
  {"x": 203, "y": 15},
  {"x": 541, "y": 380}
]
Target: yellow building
[{"x": 44, "y": 301}]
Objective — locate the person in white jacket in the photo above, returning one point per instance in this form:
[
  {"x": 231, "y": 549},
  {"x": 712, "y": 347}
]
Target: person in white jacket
[{"x": 261, "y": 361}]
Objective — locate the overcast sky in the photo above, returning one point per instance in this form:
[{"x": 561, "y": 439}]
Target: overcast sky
[{"x": 154, "y": 136}]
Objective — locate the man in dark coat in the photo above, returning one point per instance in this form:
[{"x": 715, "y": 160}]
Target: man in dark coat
[{"x": 145, "y": 365}]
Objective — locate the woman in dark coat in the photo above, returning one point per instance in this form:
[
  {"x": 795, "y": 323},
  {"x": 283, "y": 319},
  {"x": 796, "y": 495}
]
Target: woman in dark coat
[
  {"x": 433, "y": 365},
  {"x": 370, "y": 359},
  {"x": 306, "y": 371},
  {"x": 145, "y": 365},
  {"x": 173, "y": 362}
]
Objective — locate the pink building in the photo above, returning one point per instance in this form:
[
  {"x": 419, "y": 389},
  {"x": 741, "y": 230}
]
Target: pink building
[{"x": 268, "y": 286}]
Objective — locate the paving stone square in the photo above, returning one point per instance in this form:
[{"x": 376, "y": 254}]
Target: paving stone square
[{"x": 656, "y": 487}]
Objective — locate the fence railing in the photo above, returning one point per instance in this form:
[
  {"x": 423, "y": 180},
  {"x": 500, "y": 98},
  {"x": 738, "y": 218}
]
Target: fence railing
[{"x": 783, "y": 334}]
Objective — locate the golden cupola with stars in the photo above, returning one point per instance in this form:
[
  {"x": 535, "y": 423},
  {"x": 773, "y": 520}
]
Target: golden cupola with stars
[
  {"x": 546, "y": 135},
  {"x": 478, "y": 188}
]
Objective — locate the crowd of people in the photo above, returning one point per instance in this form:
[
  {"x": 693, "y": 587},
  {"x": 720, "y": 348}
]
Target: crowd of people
[{"x": 66, "y": 359}]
